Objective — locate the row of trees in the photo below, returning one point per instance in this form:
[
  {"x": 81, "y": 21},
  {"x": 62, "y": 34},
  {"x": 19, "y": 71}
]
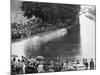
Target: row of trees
[{"x": 50, "y": 12}]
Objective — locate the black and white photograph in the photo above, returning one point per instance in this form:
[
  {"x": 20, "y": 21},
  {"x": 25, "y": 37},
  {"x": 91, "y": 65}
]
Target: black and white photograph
[{"x": 52, "y": 37}]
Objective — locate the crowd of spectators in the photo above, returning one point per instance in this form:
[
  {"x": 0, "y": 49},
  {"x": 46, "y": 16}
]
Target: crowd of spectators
[
  {"x": 36, "y": 65},
  {"x": 33, "y": 26}
]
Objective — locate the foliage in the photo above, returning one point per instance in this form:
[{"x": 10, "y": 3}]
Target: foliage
[{"x": 50, "y": 12}]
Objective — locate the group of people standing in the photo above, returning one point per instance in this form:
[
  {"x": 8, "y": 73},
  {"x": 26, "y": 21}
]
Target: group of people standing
[
  {"x": 33, "y": 65},
  {"x": 90, "y": 65}
]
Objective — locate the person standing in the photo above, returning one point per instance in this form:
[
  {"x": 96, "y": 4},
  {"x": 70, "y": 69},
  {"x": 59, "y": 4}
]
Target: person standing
[
  {"x": 40, "y": 68},
  {"x": 65, "y": 66},
  {"x": 86, "y": 64},
  {"x": 19, "y": 66},
  {"x": 91, "y": 64},
  {"x": 13, "y": 67}
]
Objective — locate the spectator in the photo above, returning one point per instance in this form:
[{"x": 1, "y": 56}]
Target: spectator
[
  {"x": 13, "y": 62},
  {"x": 19, "y": 66},
  {"x": 58, "y": 66},
  {"x": 86, "y": 64},
  {"x": 65, "y": 66},
  {"x": 91, "y": 64},
  {"x": 40, "y": 68},
  {"x": 78, "y": 62}
]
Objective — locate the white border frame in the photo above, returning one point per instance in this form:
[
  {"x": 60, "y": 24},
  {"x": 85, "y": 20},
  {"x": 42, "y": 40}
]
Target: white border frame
[{"x": 5, "y": 36}]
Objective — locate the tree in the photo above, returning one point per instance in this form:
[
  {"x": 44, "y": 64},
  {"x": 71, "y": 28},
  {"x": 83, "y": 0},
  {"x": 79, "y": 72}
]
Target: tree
[{"x": 50, "y": 12}]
